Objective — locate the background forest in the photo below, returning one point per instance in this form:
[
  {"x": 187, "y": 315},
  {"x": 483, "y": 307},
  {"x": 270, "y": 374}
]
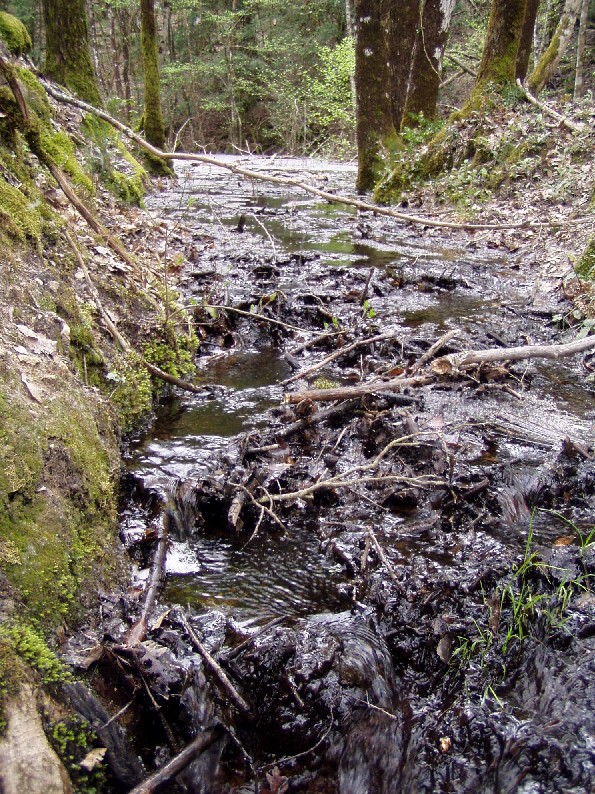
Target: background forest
[{"x": 267, "y": 75}]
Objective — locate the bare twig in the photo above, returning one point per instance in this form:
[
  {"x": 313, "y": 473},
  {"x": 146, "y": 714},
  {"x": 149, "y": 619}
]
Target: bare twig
[
  {"x": 253, "y": 315},
  {"x": 214, "y": 667},
  {"x": 550, "y": 111},
  {"x": 138, "y": 630},
  {"x": 116, "y": 334},
  {"x": 444, "y": 340},
  {"x": 337, "y": 354},
  {"x": 382, "y": 555},
  {"x": 461, "y": 65},
  {"x": 179, "y": 763}
]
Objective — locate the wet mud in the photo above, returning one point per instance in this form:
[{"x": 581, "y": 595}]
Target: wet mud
[{"x": 398, "y": 587}]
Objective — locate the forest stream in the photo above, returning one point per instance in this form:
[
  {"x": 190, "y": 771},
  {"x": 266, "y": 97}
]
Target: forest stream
[{"x": 419, "y": 615}]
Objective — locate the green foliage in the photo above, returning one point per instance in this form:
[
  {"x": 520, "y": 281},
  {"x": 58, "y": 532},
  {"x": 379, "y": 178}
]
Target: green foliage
[{"x": 14, "y": 34}]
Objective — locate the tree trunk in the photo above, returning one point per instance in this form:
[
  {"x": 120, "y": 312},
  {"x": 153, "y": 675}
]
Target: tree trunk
[
  {"x": 579, "y": 86},
  {"x": 526, "y": 43},
  {"x": 67, "y": 55},
  {"x": 376, "y": 136},
  {"x": 499, "y": 58},
  {"x": 548, "y": 63},
  {"x": 403, "y": 20},
  {"x": 426, "y": 71},
  {"x": 154, "y": 127}
]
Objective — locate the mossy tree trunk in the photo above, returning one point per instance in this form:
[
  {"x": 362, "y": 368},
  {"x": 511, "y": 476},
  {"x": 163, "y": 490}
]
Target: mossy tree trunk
[
  {"x": 376, "y": 136},
  {"x": 526, "y": 42},
  {"x": 499, "y": 57},
  {"x": 154, "y": 127},
  {"x": 548, "y": 63},
  {"x": 403, "y": 25},
  {"x": 426, "y": 64},
  {"x": 579, "y": 85},
  {"x": 68, "y": 56}
]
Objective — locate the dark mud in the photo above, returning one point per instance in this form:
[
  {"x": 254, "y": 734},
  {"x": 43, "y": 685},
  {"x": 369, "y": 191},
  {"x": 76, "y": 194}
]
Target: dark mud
[{"x": 398, "y": 586}]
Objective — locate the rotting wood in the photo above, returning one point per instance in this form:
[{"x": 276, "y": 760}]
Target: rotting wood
[
  {"x": 117, "y": 335},
  {"x": 337, "y": 354},
  {"x": 332, "y": 198},
  {"x": 179, "y": 763},
  {"x": 214, "y": 667},
  {"x": 572, "y": 125},
  {"x": 449, "y": 364}
]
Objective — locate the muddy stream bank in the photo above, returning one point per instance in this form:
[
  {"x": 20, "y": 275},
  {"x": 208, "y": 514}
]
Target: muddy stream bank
[{"x": 398, "y": 586}]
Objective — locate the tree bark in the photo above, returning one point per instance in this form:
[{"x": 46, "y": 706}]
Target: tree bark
[
  {"x": 579, "y": 86},
  {"x": 403, "y": 20},
  {"x": 499, "y": 58},
  {"x": 154, "y": 127},
  {"x": 526, "y": 42},
  {"x": 68, "y": 55},
  {"x": 376, "y": 136},
  {"x": 548, "y": 63},
  {"x": 426, "y": 65}
]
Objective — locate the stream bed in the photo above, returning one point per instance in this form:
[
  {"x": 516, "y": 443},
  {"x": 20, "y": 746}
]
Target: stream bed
[{"x": 417, "y": 615}]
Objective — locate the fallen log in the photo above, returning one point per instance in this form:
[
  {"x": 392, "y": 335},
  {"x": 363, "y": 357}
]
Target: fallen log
[
  {"x": 332, "y": 198},
  {"x": 447, "y": 365},
  {"x": 572, "y": 125},
  {"x": 179, "y": 763}
]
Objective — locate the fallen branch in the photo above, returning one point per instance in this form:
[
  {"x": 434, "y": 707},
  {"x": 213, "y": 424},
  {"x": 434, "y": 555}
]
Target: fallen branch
[
  {"x": 461, "y": 64},
  {"x": 333, "y": 198},
  {"x": 431, "y": 352},
  {"x": 117, "y": 336},
  {"x": 214, "y": 667},
  {"x": 252, "y": 315},
  {"x": 138, "y": 631},
  {"x": 550, "y": 111},
  {"x": 382, "y": 555},
  {"x": 351, "y": 392},
  {"x": 446, "y": 365},
  {"x": 337, "y": 354},
  {"x": 179, "y": 763}
]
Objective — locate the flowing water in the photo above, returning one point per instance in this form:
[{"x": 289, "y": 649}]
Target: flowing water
[{"x": 291, "y": 575}]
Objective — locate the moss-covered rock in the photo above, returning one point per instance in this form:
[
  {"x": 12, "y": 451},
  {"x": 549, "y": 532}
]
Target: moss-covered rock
[
  {"x": 585, "y": 267},
  {"x": 14, "y": 34}
]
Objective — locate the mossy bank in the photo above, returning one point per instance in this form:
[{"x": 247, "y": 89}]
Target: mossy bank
[{"x": 68, "y": 392}]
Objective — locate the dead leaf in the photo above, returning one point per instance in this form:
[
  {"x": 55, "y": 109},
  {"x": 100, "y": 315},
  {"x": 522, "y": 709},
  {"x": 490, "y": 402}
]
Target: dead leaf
[
  {"x": 277, "y": 783},
  {"x": 93, "y": 656},
  {"x": 564, "y": 540},
  {"x": 33, "y": 389},
  {"x": 93, "y": 759}
]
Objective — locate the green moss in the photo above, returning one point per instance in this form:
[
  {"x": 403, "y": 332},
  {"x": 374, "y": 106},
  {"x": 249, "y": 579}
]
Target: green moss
[
  {"x": 14, "y": 34},
  {"x": 585, "y": 267},
  {"x": 57, "y": 501},
  {"x": 172, "y": 351},
  {"x": 28, "y": 644},
  {"x": 60, "y": 148},
  {"x": 129, "y": 189},
  {"x": 34, "y": 93},
  {"x": 20, "y": 215},
  {"x": 132, "y": 390},
  {"x": 73, "y": 738}
]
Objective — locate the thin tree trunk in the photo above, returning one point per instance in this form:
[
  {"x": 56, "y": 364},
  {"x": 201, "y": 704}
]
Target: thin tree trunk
[
  {"x": 548, "y": 63},
  {"x": 579, "y": 86},
  {"x": 526, "y": 43},
  {"x": 426, "y": 73},
  {"x": 376, "y": 136},
  {"x": 153, "y": 118}
]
